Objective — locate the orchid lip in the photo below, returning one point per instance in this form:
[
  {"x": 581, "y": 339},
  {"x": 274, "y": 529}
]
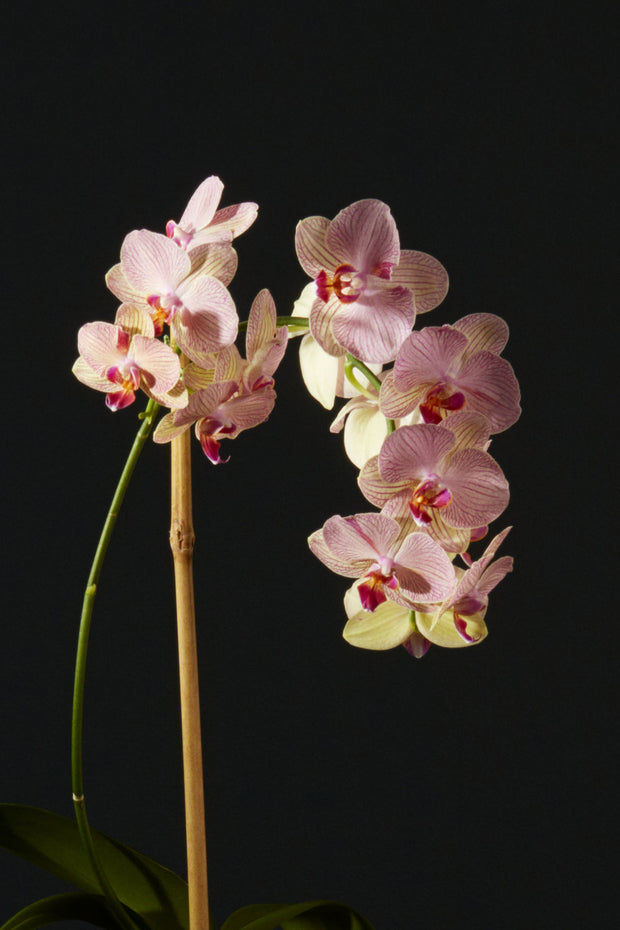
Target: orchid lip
[
  {"x": 428, "y": 494},
  {"x": 347, "y": 284},
  {"x": 441, "y": 400}
]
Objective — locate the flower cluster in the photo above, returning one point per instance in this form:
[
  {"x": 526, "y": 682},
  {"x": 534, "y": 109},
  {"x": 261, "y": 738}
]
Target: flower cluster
[
  {"x": 419, "y": 432},
  {"x": 174, "y": 332}
]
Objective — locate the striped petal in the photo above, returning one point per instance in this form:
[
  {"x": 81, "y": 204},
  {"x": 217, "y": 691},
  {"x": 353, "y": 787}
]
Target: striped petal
[
  {"x": 423, "y": 275},
  {"x": 312, "y": 250},
  {"x": 365, "y": 236},
  {"x": 152, "y": 263}
]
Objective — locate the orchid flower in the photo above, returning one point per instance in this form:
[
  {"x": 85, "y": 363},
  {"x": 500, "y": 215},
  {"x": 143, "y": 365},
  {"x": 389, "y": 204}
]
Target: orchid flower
[
  {"x": 457, "y": 622},
  {"x": 446, "y": 368},
  {"x": 198, "y": 307},
  {"x": 366, "y": 288},
  {"x": 466, "y": 606},
  {"x": 203, "y": 223},
  {"x": 369, "y": 546},
  {"x": 117, "y": 363},
  {"x": 231, "y": 394},
  {"x": 442, "y": 477}
]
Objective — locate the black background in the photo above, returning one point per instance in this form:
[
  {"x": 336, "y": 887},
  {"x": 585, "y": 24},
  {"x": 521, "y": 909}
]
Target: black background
[{"x": 475, "y": 788}]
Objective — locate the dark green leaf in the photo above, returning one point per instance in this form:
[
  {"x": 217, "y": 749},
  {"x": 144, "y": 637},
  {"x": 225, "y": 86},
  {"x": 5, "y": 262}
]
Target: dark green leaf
[
  {"x": 53, "y": 843},
  {"x": 310, "y": 915},
  {"x": 88, "y": 907}
]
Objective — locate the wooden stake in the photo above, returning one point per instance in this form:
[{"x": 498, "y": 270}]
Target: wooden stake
[{"x": 182, "y": 545}]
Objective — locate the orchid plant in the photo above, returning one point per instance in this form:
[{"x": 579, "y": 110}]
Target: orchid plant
[{"x": 418, "y": 432}]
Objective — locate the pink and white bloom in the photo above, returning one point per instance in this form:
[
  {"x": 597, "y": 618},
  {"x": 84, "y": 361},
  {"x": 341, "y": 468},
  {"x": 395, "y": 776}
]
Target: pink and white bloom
[
  {"x": 392, "y": 625},
  {"x": 203, "y": 223},
  {"x": 197, "y": 307},
  {"x": 446, "y": 368},
  {"x": 365, "y": 300},
  {"x": 464, "y": 610},
  {"x": 443, "y": 478},
  {"x": 370, "y": 546},
  {"x": 118, "y": 364},
  {"x": 231, "y": 394}
]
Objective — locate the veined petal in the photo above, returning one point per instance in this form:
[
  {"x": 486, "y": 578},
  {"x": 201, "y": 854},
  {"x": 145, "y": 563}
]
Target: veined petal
[
  {"x": 427, "y": 357},
  {"x": 375, "y": 489},
  {"x": 374, "y": 326},
  {"x": 485, "y": 332},
  {"x": 98, "y": 344},
  {"x": 208, "y": 320},
  {"x": 424, "y": 571},
  {"x": 200, "y": 376},
  {"x": 322, "y": 316},
  {"x": 161, "y": 368},
  {"x": 202, "y": 205},
  {"x": 470, "y": 430},
  {"x": 423, "y": 275},
  {"x": 262, "y": 323},
  {"x": 361, "y": 536},
  {"x": 116, "y": 281},
  {"x": 491, "y": 388},
  {"x": 214, "y": 258},
  {"x": 336, "y": 563},
  {"x": 152, "y": 263},
  {"x": 414, "y": 451},
  {"x": 166, "y": 430},
  {"x": 310, "y": 244},
  {"x": 236, "y": 219},
  {"x": 365, "y": 236},
  {"x": 396, "y": 404},
  {"x": 134, "y": 320},
  {"x": 85, "y": 374},
  {"x": 478, "y": 487},
  {"x": 248, "y": 410}
]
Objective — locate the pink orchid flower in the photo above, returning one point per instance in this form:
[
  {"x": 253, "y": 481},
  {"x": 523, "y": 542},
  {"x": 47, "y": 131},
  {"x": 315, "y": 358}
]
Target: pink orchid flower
[
  {"x": 113, "y": 361},
  {"x": 234, "y": 394},
  {"x": 197, "y": 306},
  {"x": 441, "y": 476},
  {"x": 203, "y": 223},
  {"x": 366, "y": 288},
  {"x": 446, "y": 368},
  {"x": 466, "y": 606},
  {"x": 370, "y": 546}
]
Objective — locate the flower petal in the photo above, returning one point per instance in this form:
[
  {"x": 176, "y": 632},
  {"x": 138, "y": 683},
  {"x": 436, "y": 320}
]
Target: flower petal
[
  {"x": 374, "y": 326},
  {"x": 365, "y": 236},
  {"x": 152, "y": 263},
  {"x": 310, "y": 244},
  {"x": 485, "y": 332},
  {"x": 202, "y": 205},
  {"x": 423, "y": 275}
]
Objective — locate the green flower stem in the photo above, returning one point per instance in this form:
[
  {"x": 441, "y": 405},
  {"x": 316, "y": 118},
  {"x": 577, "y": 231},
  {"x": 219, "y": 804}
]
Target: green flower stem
[
  {"x": 114, "y": 905},
  {"x": 350, "y": 363},
  {"x": 293, "y": 322}
]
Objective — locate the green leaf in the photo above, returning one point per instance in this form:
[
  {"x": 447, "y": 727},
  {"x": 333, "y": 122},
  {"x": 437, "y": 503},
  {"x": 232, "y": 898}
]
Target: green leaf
[
  {"x": 311, "y": 915},
  {"x": 53, "y": 843},
  {"x": 88, "y": 907}
]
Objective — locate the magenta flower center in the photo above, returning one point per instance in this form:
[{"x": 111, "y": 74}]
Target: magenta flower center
[
  {"x": 371, "y": 590},
  {"x": 441, "y": 400},
  {"x": 163, "y": 309},
  {"x": 347, "y": 284},
  {"x": 182, "y": 237},
  {"x": 428, "y": 495}
]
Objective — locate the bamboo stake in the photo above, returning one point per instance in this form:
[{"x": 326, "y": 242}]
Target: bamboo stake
[{"x": 182, "y": 545}]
